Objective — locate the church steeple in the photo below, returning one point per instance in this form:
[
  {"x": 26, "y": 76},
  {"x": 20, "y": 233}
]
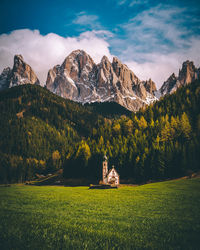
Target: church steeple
[{"x": 105, "y": 170}]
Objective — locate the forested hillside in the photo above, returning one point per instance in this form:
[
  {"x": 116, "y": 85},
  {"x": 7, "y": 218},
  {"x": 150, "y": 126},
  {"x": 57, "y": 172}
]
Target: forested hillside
[{"x": 41, "y": 132}]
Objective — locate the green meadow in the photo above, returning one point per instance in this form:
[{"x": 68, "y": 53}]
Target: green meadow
[{"x": 163, "y": 215}]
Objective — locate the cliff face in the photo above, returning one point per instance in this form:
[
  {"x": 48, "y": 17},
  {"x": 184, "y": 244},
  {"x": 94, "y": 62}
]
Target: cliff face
[
  {"x": 21, "y": 73},
  {"x": 5, "y": 75},
  {"x": 81, "y": 80},
  {"x": 187, "y": 74},
  {"x": 150, "y": 86}
]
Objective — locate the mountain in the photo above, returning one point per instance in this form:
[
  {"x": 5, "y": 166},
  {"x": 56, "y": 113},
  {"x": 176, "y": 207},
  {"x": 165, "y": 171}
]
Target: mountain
[
  {"x": 21, "y": 73},
  {"x": 81, "y": 80},
  {"x": 187, "y": 74}
]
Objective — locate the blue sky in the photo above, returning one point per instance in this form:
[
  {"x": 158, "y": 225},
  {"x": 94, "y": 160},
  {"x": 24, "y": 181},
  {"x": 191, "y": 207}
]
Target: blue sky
[{"x": 152, "y": 37}]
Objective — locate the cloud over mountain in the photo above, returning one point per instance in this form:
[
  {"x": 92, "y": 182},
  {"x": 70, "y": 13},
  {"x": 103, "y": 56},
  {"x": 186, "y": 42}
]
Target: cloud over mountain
[
  {"x": 44, "y": 51},
  {"x": 152, "y": 42},
  {"x": 157, "y": 40}
]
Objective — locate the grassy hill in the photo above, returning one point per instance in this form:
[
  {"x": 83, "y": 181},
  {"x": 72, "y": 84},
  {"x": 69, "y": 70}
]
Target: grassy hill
[{"x": 153, "y": 216}]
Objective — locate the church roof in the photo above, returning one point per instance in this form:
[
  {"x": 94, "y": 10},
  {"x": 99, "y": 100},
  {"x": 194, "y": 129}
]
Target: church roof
[{"x": 113, "y": 168}]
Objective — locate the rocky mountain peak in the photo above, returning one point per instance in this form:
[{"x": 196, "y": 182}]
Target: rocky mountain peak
[
  {"x": 21, "y": 73},
  {"x": 77, "y": 65},
  {"x": 105, "y": 59},
  {"x": 173, "y": 76},
  {"x": 116, "y": 60},
  {"x": 117, "y": 65},
  {"x": 4, "y": 78},
  {"x": 105, "y": 73},
  {"x": 187, "y": 74},
  {"x": 188, "y": 63},
  {"x": 78, "y": 56},
  {"x": 18, "y": 58},
  {"x": 19, "y": 63},
  {"x": 125, "y": 75},
  {"x": 150, "y": 86},
  {"x": 6, "y": 71},
  {"x": 169, "y": 86},
  {"x": 105, "y": 64},
  {"x": 81, "y": 80}
]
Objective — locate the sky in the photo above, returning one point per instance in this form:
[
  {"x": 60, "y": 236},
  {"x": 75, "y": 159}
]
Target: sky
[{"x": 153, "y": 38}]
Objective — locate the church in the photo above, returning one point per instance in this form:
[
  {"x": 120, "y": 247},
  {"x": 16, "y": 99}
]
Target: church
[{"x": 110, "y": 177}]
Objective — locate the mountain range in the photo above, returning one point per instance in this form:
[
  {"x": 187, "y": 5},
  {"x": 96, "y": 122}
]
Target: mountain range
[{"x": 79, "y": 79}]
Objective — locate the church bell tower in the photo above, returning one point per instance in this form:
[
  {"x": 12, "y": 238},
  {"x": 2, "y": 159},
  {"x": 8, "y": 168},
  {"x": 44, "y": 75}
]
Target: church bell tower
[{"x": 105, "y": 170}]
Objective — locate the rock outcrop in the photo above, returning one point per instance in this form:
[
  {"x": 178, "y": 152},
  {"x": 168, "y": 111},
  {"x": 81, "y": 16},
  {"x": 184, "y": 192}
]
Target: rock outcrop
[
  {"x": 4, "y": 78},
  {"x": 21, "y": 73},
  {"x": 150, "y": 86},
  {"x": 187, "y": 74},
  {"x": 80, "y": 79}
]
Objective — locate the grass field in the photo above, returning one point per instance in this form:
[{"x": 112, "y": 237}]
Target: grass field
[{"x": 162, "y": 215}]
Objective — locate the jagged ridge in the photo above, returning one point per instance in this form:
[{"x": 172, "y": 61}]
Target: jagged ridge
[
  {"x": 187, "y": 74},
  {"x": 81, "y": 80}
]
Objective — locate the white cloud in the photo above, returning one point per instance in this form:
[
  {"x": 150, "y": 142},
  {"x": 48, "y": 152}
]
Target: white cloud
[
  {"x": 135, "y": 2},
  {"x": 84, "y": 19},
  {"x": 42, "y": 52},
  {"x": 158, "y": 70},
  {"x": 157, "y": 41},
  {"x": 121, "y": 2},
  {"x": 158, "y": 28},
  {"x": 130, "y": 3},
  {"x": 159, "y": 67}
]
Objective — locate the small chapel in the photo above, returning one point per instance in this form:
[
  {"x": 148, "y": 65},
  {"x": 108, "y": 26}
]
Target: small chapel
[{"x": 110, "y": 177}]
